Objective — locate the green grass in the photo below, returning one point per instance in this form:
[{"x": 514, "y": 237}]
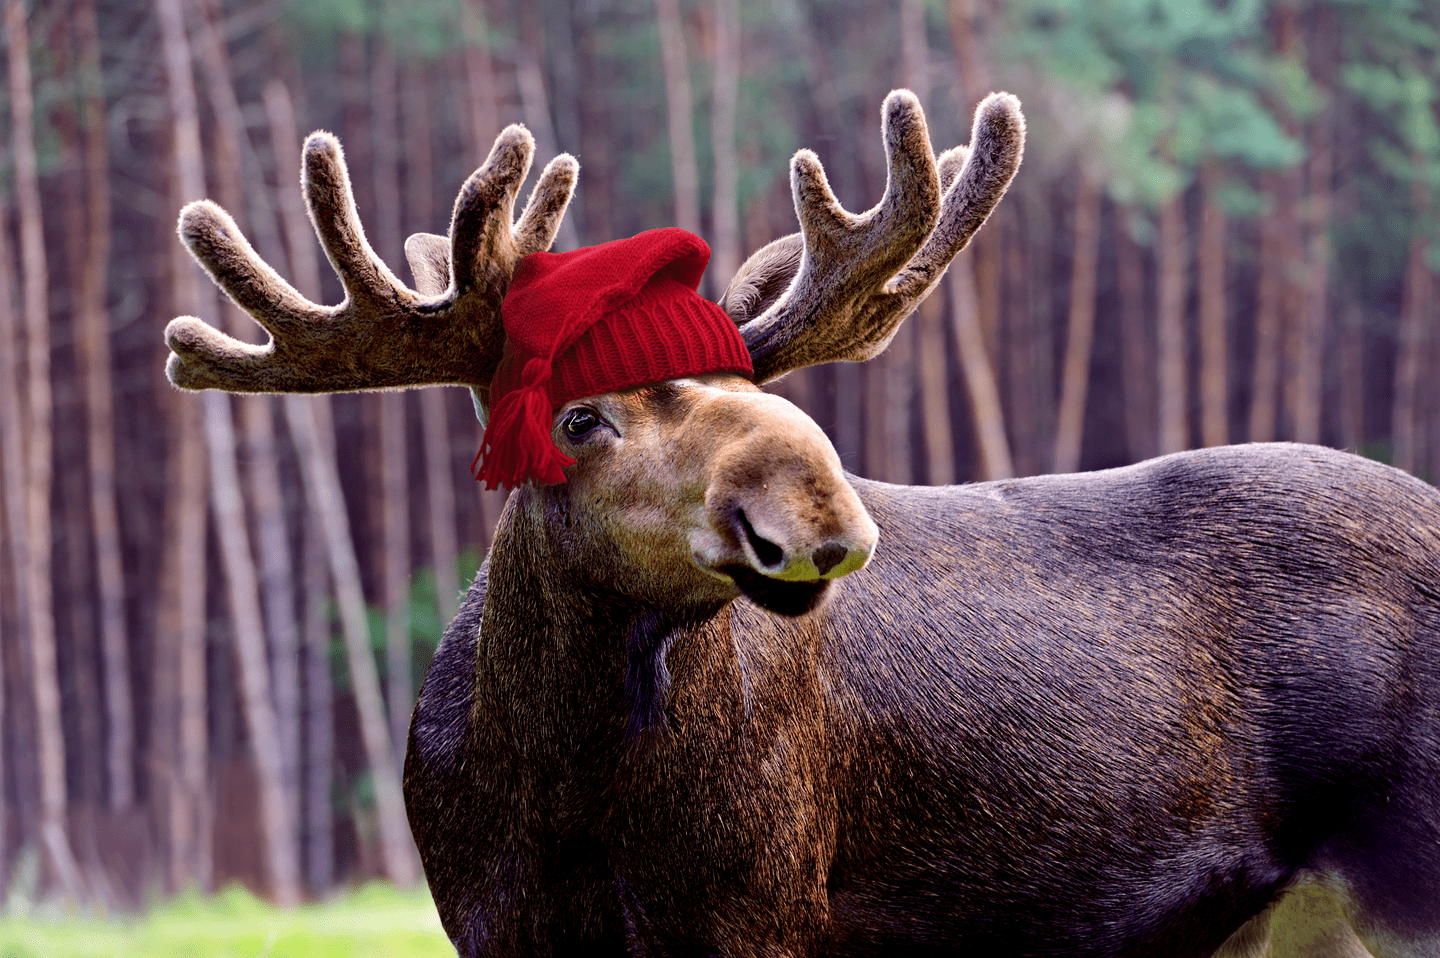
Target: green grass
[{"x": 373, "y": 922}]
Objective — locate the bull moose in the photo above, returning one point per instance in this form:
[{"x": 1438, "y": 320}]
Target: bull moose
[{"x": 711, "y": 695}]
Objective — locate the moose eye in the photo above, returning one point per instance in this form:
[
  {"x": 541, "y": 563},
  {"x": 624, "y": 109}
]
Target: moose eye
[{"x": 579, "y": 422}]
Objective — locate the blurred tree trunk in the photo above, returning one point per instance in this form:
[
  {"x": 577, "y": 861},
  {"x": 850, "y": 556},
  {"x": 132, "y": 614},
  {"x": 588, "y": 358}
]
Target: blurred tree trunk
[
  {"x": 1276, "y": 413},
  {"x": 1306, "y": 238},
  {"x": 535, "y": 104},
  {"x": 355, "y": 98},
  {"x": 304, "y": 272},
  {"x": 930, "y": 373},
  {"x": 480, "y": 111},
  {"x": 25, "y": 789},
  {"x": 322, "y": 490},
  {"x": 1429, "y": 408},
  {"x": 933, "y": 354},
  {"x": 479, "y": 70},
  {"x": 595, "y": 133},
  {"x": 985, "y": 247},
  {"x": 239, "y": 184},
  {"x": 1174, "y": 261},
  {"x": 1136, "y": 350},
  {"x": 1269, "y": 310},
  {"x": 1214, "y": 351},
  {"x": 891, "y": 375},
  {"x": 12, "y": 429},
  {"x": 725, "y": 235},
  {"x": 1411, "y": 349},
  {"x": 434, "y": 402},
  {"x": 277, "y": 824},
  {"x": 876, "y": 448},
  {"x": 393, "y": 452},
  {"x": 898, "y": 397},
  {"x": 440, "y": 494},
  {"x": 78, "y": 665},
  {"x": 972, "y": 70},
  {"x": 270, "y": 739},
  {"x": 678, "y": 104},
  {"x": 319, "y": 827},
  {"x": 1308, "y": 346},
  {"x": 313, "y": 431},
  {"x": 560, "y": 19},
  {"x": 13, "y": 619},
  {"x": 53, "y": 800},
  {"x": 1352, "y": 381},
  {"x": 94, "y": 336},
  {"x": 995, "y": 461},
  {"x": 1027, "y": 359},
  {"x": 185, "y": 566},
  {"x": 1079, "y": 340}
]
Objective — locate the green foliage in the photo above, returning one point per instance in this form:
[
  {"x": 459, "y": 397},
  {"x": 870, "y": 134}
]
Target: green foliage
[
  {"x": 426, "y": 628},
  {"x": 328, "y": 17},
  {"x": 376, "y": 921},
  {"x": 426, "y": 29},
  {"x": 423, "y": 29},
  {"x": 1192, "y": 79}
]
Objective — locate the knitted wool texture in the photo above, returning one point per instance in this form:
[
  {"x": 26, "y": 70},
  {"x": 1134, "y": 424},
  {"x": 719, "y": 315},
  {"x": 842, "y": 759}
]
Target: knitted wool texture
[{"x": 592, "y": 321}]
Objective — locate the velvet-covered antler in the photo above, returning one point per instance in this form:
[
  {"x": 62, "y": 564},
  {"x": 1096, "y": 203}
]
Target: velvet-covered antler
[
  {"x": 384, "y": 334},
  {"x": 840, "y": 288}
]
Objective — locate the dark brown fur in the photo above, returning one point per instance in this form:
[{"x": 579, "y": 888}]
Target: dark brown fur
[{"x": 1107, "y": 714}]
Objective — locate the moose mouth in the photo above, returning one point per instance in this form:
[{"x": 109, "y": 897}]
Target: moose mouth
[{"x": 780, "y": 596}]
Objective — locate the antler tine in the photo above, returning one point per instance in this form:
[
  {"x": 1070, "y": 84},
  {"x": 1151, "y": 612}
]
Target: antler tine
[
  {"x": 766, "y": 276},
  {"x": 848, "y": 256},
  {"x": 997, "y": 144},
  {"x": 202, "y": 356},
  {"x": 485, "y": 246},
  {"x": 331, "y": 204},
  {"x": 950, "y": 163},
  {"x": 385, "y": 334},
  {"x": 840, "y": 289}
]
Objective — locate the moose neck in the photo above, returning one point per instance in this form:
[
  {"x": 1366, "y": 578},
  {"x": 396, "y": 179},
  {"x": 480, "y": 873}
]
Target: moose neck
[{"x": 577, "y": 666}]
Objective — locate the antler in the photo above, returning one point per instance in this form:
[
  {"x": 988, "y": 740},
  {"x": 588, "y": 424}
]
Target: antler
[
  {"x": 384, "y": 334},
  {"x": 840, "y": 288}
]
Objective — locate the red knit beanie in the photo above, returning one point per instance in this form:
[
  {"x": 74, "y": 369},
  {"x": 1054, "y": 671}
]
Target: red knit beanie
[{"x": 593, "y": 321}]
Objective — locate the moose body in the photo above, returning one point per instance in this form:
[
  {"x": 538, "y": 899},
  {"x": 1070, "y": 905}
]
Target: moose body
[
  {"x": 712, "y": 696},
  {"x": 1107, "y": 714}
]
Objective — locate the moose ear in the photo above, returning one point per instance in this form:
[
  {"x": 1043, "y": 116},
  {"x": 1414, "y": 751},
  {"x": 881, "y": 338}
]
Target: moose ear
[
  {"x": 763, "y": 278},
  {"x": 429, "y": 257}
]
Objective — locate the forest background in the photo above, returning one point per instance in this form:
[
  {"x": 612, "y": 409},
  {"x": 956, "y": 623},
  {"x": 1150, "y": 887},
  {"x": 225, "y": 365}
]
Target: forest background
[{"x": 216, "y": 611}]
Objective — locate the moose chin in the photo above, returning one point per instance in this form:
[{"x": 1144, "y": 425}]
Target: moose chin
[{"x": 711, "y": 695}]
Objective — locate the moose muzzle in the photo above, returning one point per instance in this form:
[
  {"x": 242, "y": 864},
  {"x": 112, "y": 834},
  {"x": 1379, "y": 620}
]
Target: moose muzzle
[{"x": 785, "y": 520}]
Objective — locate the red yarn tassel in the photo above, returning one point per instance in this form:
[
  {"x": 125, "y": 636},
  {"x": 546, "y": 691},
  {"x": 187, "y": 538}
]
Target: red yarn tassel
[{"x": 517, "y": 444}]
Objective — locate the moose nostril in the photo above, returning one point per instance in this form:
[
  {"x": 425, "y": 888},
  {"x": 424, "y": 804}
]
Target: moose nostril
[
  {"x": 766, "y": 551},
  {"x": 829, "y": 556}
]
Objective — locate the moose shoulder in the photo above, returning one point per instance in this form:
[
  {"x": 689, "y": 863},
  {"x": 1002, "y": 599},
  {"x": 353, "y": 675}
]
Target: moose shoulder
[{"x": 712, "y": 696}]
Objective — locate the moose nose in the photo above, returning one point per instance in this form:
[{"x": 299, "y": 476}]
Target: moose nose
[
  {"x": 829, "y": 556},
  {"x": 799, "y": 561},
  {"x": 778, "y": 503}
]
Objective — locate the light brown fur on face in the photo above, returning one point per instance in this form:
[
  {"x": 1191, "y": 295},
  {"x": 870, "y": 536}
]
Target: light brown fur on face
[{"x": 688, "y": 484}]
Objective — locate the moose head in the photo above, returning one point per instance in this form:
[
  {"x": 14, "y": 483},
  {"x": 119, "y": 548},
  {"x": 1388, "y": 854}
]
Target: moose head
[{"x": 685, "y": 492}]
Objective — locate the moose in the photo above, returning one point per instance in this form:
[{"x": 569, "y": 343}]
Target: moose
[{"x": 712, "y": 695}]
